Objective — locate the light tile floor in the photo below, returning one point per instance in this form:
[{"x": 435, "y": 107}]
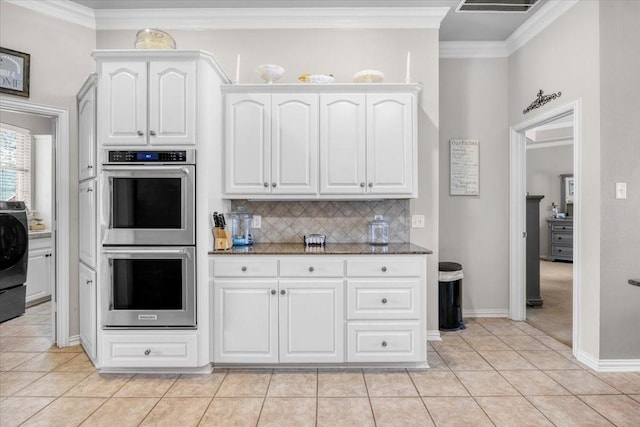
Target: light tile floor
[{"x": 496, "y": 372}]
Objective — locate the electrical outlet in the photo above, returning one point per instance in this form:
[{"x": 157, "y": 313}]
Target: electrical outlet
[
  {"x": 417, "y": 221},
  {"x": 621, "y": 190},
  {"x": 257, "y": 221}
]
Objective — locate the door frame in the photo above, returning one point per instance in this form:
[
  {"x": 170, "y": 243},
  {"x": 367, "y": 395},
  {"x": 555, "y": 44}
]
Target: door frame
[
  {"x": 517, "y": 211},
  {"x": 60, "y": 225}
]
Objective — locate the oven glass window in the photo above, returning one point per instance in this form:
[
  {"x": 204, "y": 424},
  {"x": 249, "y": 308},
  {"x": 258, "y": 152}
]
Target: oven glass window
[
  {"x": 147, "y": 284},
  {"x": 147, "y": 203}
]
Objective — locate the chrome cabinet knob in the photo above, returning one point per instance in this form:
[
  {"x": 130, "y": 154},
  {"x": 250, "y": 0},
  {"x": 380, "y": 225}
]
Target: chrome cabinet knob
[
  {"x": 370, "y": 184},
  {"x": 384, "y": 269},
  {"x": 384, "y": 300},
  {"x": 140, "y": 133},
  {"x": 152, "y": 132},
  {"x": 273, "y": 184},
  {"x": 282, "y": 292},
  {"x": 362, "y": 184},
  {"x": 89, "y": 167},
  {"x": 243, "y": 268},
  {"x": 384, "y": 343},
  {"x": 311, "y": 269},
  {"x": 273, "y": 291},
  {"x": 266, "y": 184},
  {"x": 147, "y": 352},
  {"x": 89, "y": 282},
  {"x": 89, "y": 190}
]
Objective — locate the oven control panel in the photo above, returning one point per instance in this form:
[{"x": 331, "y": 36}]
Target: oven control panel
[{"x": 148, "y": 156}]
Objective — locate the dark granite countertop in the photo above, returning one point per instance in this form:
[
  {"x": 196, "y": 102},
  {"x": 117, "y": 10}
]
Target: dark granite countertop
[{"x": 329, "y": 249}]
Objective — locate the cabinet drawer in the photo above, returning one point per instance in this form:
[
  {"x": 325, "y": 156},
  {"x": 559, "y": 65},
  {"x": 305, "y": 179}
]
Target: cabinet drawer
[
  {"x": 383, "y": 342},
  {"x": 154, "y": 351},
  {"x": 562, "y": 238},
  {"x": 311, "y": 267},
  {"x": 562, "y": 251},
  {"x": 394, "y": 299},
  {"x": 383, "y": 266},
  {"x": 562, "y": 227},
  {"x": 230, "y": 266}
]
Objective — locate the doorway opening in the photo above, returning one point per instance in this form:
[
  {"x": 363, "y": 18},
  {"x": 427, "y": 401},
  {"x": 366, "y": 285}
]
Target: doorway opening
[
  {"x": 59, "y": 209},
  {"x": 569, "y": 113}
]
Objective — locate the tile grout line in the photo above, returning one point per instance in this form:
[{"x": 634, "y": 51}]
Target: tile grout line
[
  {"x": 264, "y": 399},
  {"x": 421, "y": 398}
]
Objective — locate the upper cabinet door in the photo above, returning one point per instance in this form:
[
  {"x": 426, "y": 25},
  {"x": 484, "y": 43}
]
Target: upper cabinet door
[
  {"x": 122, "y": 95},
  {"x": 87, "y": 135},
  {"x": 390, "y": 144},
  {"x": 172, "y": 102},
  {"x": 248, "y": 143},
  {"x": 294, "y": 144},
  {"x": 342, "y": 144}
]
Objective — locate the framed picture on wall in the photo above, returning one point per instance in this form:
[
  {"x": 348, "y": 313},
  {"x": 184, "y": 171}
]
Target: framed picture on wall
[
  {"x": 14, "y": 72},
  {"x": 464, "y": 156}
]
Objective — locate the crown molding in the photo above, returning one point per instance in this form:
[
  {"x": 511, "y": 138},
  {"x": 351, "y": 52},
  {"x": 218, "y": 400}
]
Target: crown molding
[
  {"x": 472, "y": 49},
  {"x": 61, "y": 9},
  {"x": 533, "y": 26},
  {"x": 538, "y": 22},
  {"x": 272, "y": 18}
]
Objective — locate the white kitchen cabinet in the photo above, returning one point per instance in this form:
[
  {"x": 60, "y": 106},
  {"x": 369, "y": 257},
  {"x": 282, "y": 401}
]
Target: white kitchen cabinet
[
  {"x": 297, "y": 317},
  {"x": 87, "y": 305},
  {"x": 87, "y": 129},
  {"x": 87, "y": 222},
  {"x": 271, "y": 144},
  {"x": 326, "y": 141},
  {"x": 149, "y": 349},
  {"x": 39, "y": 270},
  {"x": 147, "y": 102}
]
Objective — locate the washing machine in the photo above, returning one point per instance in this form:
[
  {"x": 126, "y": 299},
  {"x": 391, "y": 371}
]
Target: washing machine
[{"x": 14, "y": 257}]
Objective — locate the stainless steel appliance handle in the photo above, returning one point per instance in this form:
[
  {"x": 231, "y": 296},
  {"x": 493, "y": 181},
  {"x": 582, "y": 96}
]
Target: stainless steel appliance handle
[
  {"x": 143, "y": 168},
  {"x": 144, "y": 251}
]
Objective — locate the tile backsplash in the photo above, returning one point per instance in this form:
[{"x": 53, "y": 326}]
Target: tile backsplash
[{"x": 340, "y": 221}]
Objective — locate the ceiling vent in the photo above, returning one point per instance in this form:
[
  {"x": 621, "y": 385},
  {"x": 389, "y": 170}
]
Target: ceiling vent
[{"x": 517, "y": 6}]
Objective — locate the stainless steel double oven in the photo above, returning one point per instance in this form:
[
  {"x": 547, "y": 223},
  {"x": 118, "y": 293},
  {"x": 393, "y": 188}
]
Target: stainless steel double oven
[{"x": 148, "y": 238}]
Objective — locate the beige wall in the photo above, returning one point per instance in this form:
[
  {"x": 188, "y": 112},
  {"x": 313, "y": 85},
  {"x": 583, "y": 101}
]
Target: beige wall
[
  {"x": 620, "y": 136},
  {"x": 474, "y": 230},
  {"x": 565, "y": 57},
  {"x": 60, "y": 62}
]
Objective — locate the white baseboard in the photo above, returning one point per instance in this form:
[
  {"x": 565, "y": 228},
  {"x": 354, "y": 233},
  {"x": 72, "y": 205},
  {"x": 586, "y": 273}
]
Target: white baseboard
[
  {"x": 490, "y": 312},
  {"x": 434, "y": 335},
  {"x": 608, "y": 365},
  {"x": 74, "y": 340}
]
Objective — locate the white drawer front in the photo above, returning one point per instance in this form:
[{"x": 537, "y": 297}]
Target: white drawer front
[
  {"x": 389, "y": 299},
  {"x": 311, "y": 266},
  {"x": 384, "y": 342},
  {"x": 231, "y": 266},
  {"x": 383, "y": 266},
  {"x": 150, "y": 350}
]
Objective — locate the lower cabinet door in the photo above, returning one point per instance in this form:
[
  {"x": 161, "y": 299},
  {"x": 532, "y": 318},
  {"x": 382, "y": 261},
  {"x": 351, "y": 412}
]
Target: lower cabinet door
[
  {"x": 245, "y": 322},
  {"x": 385, "y": 342},
  {"x": 311, "y": 321},
  {"x": 87, "y": 306}
]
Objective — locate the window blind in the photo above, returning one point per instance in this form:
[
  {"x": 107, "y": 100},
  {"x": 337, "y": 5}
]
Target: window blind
[{"x": 15, "y": 164}]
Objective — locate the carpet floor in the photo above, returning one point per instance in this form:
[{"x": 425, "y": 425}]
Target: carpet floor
[{"x": 555, "y": 317}]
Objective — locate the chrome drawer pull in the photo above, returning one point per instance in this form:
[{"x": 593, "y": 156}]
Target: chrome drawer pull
[
  {"x": 266, "y": 184},
  {"x": 243, "y": 268},
  {"x": 282, "y": 292},
  {"x": 311, "y": 269},
  {"x": 384, "y": 269},
  {"x": 273, "y": 291},
  {"x": 147, "y": 352},
  {"x": 384, "y": 343},
  {"x": 384, "y": 300}
]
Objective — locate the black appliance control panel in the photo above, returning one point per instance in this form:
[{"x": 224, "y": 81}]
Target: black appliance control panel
[{"x": 147, "y": 156}]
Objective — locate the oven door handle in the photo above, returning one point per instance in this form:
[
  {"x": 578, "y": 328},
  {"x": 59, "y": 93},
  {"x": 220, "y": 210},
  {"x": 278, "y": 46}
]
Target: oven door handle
[
  {"x": 146, "y": 252},
  {"x": 146, "y": 168}
]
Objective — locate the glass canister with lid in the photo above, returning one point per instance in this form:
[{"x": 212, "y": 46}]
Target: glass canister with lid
[
  {"x": 241, "y": 228},
  {"x": 378, "y": 231}
]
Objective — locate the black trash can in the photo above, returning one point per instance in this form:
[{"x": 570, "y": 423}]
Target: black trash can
[{"x": 450, "y": 296}]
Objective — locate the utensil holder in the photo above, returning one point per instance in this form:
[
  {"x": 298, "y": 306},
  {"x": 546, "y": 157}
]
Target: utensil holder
[{"x": 221, "y": 240}]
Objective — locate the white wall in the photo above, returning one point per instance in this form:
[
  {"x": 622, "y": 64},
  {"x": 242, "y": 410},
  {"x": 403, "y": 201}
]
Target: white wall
[
  {"x": 566, "y": 57},
  {"x": 620, "y": 162},
  {"x": 341, "y": 53},
  {"x": 60, "y": 62},
  {"x": 44, "y": 179},
  {"x": 544, "y": 167},
  {"x": 474, "y": 230}
]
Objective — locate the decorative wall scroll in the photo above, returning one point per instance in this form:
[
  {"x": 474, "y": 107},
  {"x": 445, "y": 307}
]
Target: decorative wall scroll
[
  {"x": 465, "y": 167},
  {"x": 541, "y": 100}
]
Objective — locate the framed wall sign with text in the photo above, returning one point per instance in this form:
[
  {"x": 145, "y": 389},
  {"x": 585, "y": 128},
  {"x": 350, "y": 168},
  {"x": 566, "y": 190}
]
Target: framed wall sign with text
[
  {"x": 14, "y": 72},
  {"x": 465, "y": 167}
]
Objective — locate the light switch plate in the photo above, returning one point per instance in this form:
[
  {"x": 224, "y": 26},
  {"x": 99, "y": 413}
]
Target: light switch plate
[
  {"x": 257, "y": 222},
  {"x": 621, "y": 190},
  {"x": 417, "y": 221}
]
